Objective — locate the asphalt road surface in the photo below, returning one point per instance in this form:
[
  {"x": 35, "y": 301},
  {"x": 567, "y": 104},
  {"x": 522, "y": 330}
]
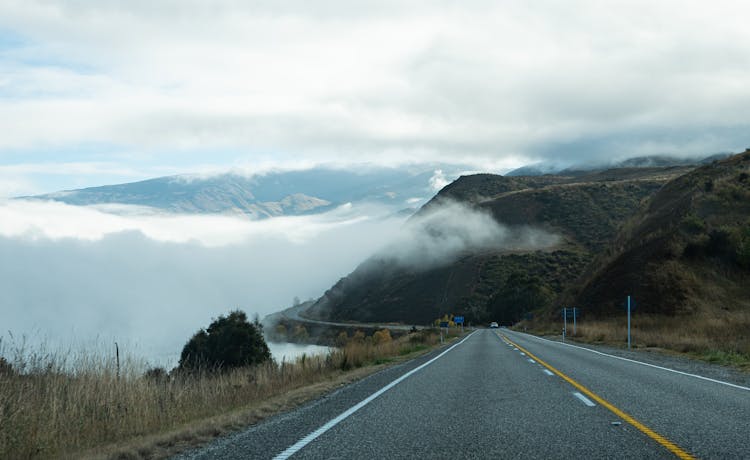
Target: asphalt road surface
[{"x": 502, "y": 394}]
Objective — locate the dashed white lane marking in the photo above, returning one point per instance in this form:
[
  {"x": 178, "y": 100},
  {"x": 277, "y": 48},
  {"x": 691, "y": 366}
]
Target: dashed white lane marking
[
  {"x": 315, "y": 434},
  {"x": 584, "y": 399},
  {"x": 548, "y": 372},
  {"x": 531, "y": 360},
  {"x": 523, "y": 354}
]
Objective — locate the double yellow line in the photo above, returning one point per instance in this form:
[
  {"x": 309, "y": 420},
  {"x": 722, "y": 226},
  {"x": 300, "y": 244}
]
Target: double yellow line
[{"x": 672, "y": 447}]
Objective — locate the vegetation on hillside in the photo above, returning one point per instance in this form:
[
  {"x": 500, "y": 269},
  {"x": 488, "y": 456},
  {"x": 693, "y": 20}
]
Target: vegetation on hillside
[
  {"x": 687, "y": 251},
  {"x": 684, "y": 260},
  {"x": 585, "y": 210}
]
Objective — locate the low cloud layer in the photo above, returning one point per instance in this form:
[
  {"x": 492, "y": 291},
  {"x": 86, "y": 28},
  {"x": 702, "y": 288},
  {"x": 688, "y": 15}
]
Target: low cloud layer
[
  {"x": 149, "y": 280},
  {"x": 442, "y": 233},
  {"x": 138, "y": 86}
]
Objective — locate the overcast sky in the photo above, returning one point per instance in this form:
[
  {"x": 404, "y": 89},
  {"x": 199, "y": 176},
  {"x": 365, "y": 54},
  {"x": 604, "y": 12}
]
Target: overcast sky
[
  {"x": 95, "y": 92},
  {"x": 103, "y": 91}
]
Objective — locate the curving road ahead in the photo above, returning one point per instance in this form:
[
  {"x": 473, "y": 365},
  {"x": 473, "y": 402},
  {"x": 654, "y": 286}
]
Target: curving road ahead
[
  {"x": 295, "y": 314},
  {"x": 502, "y": 394}
]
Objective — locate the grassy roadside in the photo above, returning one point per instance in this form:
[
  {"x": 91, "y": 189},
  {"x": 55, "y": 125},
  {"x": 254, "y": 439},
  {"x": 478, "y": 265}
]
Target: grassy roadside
[
  {"x": 718, "y": 339},
  {"x": 50, "y": 410}
]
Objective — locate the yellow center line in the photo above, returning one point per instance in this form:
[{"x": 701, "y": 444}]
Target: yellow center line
[{"x": 672, "y": 447}]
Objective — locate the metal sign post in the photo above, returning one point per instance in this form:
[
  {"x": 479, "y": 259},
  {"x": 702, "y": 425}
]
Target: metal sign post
[
  {"x": 565, "y": 321},
  {"x": 574, "y": 321},
  {"x": 443, "y": 324},
  {"x": 628, "y": 322}
]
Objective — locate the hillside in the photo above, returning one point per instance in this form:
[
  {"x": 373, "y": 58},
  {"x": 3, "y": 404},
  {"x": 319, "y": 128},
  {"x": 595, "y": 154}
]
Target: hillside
[
  {"x": 688, "y": 252},
  {"x": 571, "y": 218}
]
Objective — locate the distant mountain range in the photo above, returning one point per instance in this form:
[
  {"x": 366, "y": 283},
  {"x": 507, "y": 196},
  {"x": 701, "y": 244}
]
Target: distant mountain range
[
  {"x": 271, "y": 194},
  {"x": 538, "y": 169}
]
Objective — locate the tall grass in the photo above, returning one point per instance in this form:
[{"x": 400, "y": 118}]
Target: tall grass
[
  {"x": 53, "y": 406},
  {"x": 706, "y": 334}
]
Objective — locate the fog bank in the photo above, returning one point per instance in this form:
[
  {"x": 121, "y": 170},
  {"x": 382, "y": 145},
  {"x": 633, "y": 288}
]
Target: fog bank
[{"x": 151, "y": 280}]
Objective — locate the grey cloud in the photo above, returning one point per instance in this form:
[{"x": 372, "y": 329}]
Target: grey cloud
[{"x": 482, "y": 81}]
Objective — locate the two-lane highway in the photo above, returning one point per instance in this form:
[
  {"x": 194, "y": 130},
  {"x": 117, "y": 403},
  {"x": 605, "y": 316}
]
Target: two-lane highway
[
  {"x": 707, "y": 418},
  {"x": 500, "y": 394}
]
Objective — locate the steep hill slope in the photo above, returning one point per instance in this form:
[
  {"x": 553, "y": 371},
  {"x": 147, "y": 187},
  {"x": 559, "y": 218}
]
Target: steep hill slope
[
  {"x": 688, "y": 252},
  {"x": 550, "y": 228}
]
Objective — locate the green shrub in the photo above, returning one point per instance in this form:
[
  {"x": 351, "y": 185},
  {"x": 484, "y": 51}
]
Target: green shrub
[
  {"x": 693, "y": 224},
  {"x": 229, "y": 342}
]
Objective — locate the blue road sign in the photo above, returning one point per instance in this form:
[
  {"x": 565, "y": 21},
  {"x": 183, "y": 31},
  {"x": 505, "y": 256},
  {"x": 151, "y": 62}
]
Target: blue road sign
[
  {"x": 458, "y": 319},
  {"x": 443, "y": 323}
]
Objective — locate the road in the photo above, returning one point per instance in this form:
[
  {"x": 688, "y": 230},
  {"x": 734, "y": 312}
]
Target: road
[
  {"x": 295, "y": 314},
  {"x": 503, "y": 394}
]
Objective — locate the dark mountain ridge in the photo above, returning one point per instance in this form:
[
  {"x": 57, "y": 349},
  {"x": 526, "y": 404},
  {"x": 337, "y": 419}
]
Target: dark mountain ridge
[
  {"x": 687, "y": 251},
  {"x": 584, "y": 211}
]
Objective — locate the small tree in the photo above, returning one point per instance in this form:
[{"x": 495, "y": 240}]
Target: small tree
[
  {"x": 381, "y": 336},
  {"x": 229, "y": 342},
  {"x": 358, "y": 336},
  {"x": 300, "y": 332},
  {"x": 156, "y": 374},
  {"x": 342, "y": 338}
]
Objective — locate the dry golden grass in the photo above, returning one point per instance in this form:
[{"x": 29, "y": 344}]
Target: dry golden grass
[
  {"x": 719, "y": 336},
  {"x": 53, "y": 408}
]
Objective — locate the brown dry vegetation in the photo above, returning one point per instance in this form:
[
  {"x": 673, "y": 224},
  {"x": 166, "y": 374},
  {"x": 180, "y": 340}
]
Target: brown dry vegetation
[
  {"x": 720, "y": 336},
  {"x": 52, "y": 408}
]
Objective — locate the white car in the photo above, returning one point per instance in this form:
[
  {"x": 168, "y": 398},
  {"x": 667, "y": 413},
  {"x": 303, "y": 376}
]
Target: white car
[{"x": 493, "y": 325}]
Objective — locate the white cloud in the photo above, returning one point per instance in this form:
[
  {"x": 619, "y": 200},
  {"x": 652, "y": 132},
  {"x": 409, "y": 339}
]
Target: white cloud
[
  {"x": 53, "y": 220},
  {"x": 136, "y": 276},
  {"x": 429, "y": 79},
  {"x": 438, "y": 181}
]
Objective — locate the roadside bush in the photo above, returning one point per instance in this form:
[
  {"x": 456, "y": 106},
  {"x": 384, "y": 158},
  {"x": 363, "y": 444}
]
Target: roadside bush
[
  {"x": 300, "y": 333},
  {"x": 229, "y": 342},
  {"x": 156, "y": 374},
  {"x": 381, "y": 336},
  {"x": 341, "y": 339}
]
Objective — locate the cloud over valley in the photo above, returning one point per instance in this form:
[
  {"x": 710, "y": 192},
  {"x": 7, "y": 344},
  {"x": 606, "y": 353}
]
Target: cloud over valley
[{"x": 151, "y": 279}]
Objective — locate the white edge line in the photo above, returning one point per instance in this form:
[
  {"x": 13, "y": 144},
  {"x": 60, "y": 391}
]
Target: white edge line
[
  {"x": 644, "y": 364},
  {"x": 291, "y": 450},
  {"x": 584, "y": 399}
]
